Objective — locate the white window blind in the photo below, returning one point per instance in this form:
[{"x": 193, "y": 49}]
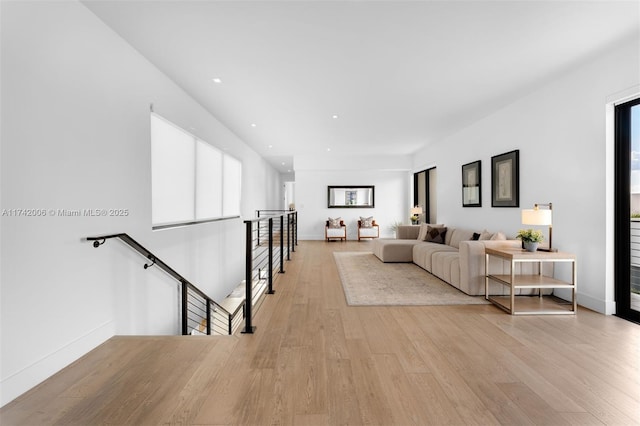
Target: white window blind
[
  {"x": 208, "y": 182},
  {"x": 232, "y": 177},
  {"x": 191, "y": 181}
]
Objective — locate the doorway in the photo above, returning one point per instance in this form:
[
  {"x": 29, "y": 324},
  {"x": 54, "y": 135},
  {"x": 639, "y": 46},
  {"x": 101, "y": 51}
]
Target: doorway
[
  {"x": 289, "y": 196},
  {"x": 425, "y": 195},
  {"x": 627, "y": 210}
]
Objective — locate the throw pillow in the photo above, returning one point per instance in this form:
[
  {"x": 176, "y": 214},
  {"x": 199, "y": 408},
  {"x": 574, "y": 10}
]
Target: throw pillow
[
  {"x": 475, "y": 237},
  {"x": 422, "y": 233},
  {"x": 334, "y": 223},
  {"x": 366, "y": 222},
  {"x": 498, "y": 236},
  {"x": 436, "y": 234},
  {"x": 485, "y": 235}
]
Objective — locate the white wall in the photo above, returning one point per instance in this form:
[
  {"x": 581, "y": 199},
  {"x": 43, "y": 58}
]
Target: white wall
[
  {"x": 289, "y": 195},
  {"x": 75, "y": 135},
  {"x": 313, "y": 175},
  {"x": 560, "y": 132}
]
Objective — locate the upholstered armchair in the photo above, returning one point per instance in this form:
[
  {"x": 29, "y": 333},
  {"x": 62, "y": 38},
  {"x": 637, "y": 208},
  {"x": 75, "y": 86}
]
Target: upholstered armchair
[
  {"x": 365, "y": 231},
  {"x": 334, "y": 231}
]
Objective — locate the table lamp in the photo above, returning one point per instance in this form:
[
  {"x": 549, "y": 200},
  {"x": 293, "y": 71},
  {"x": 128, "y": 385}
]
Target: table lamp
[
  {"x": 416, "y": 211},
  {"x": 537, "y": 216}
]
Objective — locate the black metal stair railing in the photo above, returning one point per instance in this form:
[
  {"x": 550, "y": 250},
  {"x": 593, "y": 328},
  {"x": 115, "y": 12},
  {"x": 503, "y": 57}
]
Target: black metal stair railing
[
  {"x": 199, "y": 313},
  {"x": 270, "y": 238},
  {"x": 292, "y": 224}
]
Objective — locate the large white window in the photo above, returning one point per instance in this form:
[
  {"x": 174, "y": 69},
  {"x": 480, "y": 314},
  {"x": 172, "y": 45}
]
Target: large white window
[
  {"x": 231, "y": 186},
  {"x": 191, "y": 181},
  {"x": 209, "y": 178}
]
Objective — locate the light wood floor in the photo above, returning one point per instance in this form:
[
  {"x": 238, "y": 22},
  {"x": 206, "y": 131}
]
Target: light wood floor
[{"x": 315, "y": 361}]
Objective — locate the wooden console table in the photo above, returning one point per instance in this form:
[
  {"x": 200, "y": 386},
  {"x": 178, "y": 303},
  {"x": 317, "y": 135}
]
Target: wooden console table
[{"x": 517, "y": 281}]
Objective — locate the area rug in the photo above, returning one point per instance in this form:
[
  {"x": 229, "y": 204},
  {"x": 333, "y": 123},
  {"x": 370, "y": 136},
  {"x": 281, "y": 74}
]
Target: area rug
[{"x": 368, "y": 281}]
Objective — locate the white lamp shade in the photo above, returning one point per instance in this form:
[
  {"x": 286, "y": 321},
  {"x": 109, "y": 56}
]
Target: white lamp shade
[
  {"x": 416, "y": 210},
  {"x": 536, "y": 217}
]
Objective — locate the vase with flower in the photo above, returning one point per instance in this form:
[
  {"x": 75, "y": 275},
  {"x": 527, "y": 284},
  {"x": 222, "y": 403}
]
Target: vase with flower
[{"x": 530, "y": 238}]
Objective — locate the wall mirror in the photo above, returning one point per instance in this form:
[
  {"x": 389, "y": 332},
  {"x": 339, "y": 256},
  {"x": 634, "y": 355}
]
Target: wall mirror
[{"x": 351, "y": 196}]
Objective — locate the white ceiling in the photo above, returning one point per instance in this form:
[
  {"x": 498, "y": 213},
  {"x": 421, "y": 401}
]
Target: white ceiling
[{"x": 399, "y": 75}]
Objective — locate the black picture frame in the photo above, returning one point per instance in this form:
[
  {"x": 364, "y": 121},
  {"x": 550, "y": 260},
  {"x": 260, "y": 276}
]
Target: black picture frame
[
  {"x": 505, "y": 179},
  {"x": 351, "y": 196},
  {"x": 472, "y": 184}
]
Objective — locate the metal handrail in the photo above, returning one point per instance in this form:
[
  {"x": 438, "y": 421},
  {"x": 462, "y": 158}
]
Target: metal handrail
[
  {"x": 292, "y": 224},
  {"x": 257, "y": 261},
  {"x": 186, "y": 284}
]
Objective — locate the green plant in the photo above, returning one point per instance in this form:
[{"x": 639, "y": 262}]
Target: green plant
[
  {"x": 394, "y": 226},
  {"x": 530, "y": 235},
  {"x": 635, "y": 215},
  {"x": 414, "y": 217}
]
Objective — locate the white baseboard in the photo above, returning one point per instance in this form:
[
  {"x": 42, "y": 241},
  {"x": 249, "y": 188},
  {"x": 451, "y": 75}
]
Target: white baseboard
[
  {"x": 595, "y": 304},
  {"x": 30, "y": 376}
]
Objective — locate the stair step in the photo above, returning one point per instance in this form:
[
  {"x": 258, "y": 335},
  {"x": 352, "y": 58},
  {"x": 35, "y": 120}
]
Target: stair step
[{"x": 230, "y": 304}]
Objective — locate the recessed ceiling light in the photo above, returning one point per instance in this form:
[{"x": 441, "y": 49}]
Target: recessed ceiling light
[
  {"x": 270, "y": 146},
  {"x": 289, "y": 171},
  {"x": 216, "y": 80},
  {"x": 253, "y": 124},
  {"x": 283, "y": 163},
  {"x": 334, "y": 116},
  {"x": 328, "y": 149}
]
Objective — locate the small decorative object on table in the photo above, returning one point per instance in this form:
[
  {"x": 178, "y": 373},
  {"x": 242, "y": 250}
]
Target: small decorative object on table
[
  {"x": 530, "y": 238},
  {"x": 415, "y": 215},
  {"x": 543, "y": 217}
]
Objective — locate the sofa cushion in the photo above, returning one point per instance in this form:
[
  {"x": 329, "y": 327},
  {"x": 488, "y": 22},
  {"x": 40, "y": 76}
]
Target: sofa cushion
[
  {"x": 446, "y": 266},
  {"x": 455, "y": 272},
  {"x": 423, "y": 231},
  {"x": 423, "y": 253},
  {"x": 458, "y": 235},
  {"x": 407, "y": 232},
  {"x": 436, "y": 234},
  {"x": 394, "y": 250}
]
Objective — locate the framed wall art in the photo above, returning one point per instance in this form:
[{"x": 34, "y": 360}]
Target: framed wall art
[
  {"x": 351, "y": 196},
  {"x": 471, "y": 185},
  {"x": 505, "y": 179}
]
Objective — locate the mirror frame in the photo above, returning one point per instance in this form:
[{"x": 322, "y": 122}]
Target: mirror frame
[{"x": 352, "y": 188}]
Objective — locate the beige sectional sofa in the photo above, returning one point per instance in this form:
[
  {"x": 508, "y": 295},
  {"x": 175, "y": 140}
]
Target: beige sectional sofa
[{"x": 460, "y": 261}]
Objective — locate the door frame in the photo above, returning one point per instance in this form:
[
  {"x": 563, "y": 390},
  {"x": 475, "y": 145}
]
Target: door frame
[
  {"x": 622, "y": 211},
  {"x": 427, "y": 206}
]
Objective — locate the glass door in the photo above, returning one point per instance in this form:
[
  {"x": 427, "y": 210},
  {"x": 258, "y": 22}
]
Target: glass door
[
  {"x": 627, "y": 222},
  {"x": 424, "y": 194}
]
